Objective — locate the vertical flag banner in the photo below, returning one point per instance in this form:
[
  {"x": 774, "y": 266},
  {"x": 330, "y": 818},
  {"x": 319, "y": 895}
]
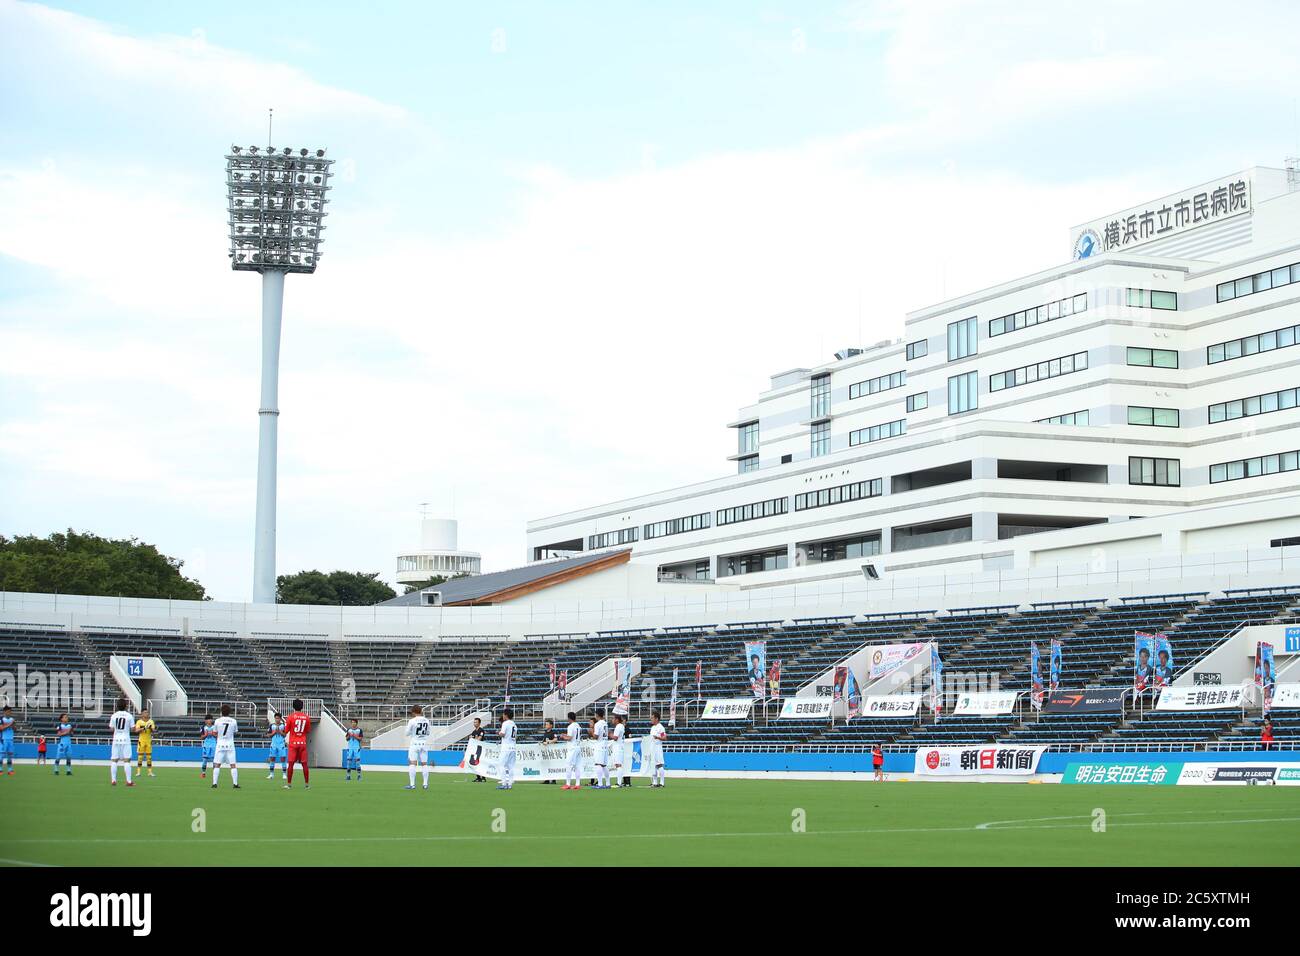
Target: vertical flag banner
[
  {"x": 562, "y": 682},
  {"x": 1265, "y": 676},
  {"x": 837, "y": 682},
  {"x": 774, "y": 680},
  {"x": 1163, "y": 672},
  {"x": 1144, "y": 648},
  {"x": 1035, "y": 676},
  {"x": 852, "y": 695},
  {"x": 699, "y": 679},
  {"x": 756, "y": 667},
  {"x": 672, "y": 702},
  {"x": 936, "y": 680},
  {"x": 551, "y": 675},
  {"x": 507, "y": 700},
  {"x": 622, "y": 686},
  {"x": 1054, "y": 666}
]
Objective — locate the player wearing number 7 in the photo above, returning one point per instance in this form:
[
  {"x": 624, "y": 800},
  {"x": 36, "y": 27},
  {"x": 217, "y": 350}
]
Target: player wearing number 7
[{"x": 298, "y": 726}]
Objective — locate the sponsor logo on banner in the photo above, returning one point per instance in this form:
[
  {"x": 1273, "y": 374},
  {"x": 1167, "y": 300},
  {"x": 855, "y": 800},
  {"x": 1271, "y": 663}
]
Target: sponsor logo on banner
[
  {"x": 1288, "y": 776},
  {"x": 891, "y": 705},
  {"x": 887, "y": 657},
  {"x": 1243, "y": 774},
  {"x": 1207, "y": 678},
  {"x": 730, "y": 709},
  {"x": 547, "y": 761},
  {"x": 806, "y": 708},
  {"x": 986, "y": 703},
  {"x": 1163, "y": 773},
  {"x": 1096, "y": 700},
  {"x": 1286, "y": 697},
  {"x": 993, "y": 759},
  {"x": 1200, "y": 698},
  {"x": 1238, "y": 774}
]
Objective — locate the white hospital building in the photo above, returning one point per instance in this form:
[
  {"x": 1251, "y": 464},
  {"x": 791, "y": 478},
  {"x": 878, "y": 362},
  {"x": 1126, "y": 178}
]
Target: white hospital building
[{"x": 1139, "y": 399}]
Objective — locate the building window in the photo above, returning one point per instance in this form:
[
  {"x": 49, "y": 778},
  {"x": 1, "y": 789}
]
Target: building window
[
  {"x": 918, "y": 401},
  {"x": 1036, "y": 373},
  {"x": 840, "y": 549},
  {"x": 1259, "y": 282},
  {"x": 745, "y": 465},
  {"x": 1069, "y": 418},
  {"x": 1160, "y": 417},
  {"x": 1152, "y": 358},
  {"x": 1253, "y": 345},
  {"x": 611, "y": 538},
  {"x": 863, "y": 436},
  {"x": 918, "y": 349},
  {"x": 1151, "y": 299},
  {"x": 747, "y": 436},
  {"x": 820, "y": 395},
  {"x": 1048, "y": 312},
  {"x": 821, "y": 439},
  {"x": 773, "y": 560},
  {"x": 882, "y": 383},
  {"x": 1153, "y": 471},
  {"x": 839, "y": 494},
  {"x": 963, "y": 393},
  {"x": 759, "y": 509},
  {"x": 961, "y": 338},
  {"x": 662, "y": 529},
  {"x": 1256, "y": 405},
  {"x": 1254, "y": 467}
]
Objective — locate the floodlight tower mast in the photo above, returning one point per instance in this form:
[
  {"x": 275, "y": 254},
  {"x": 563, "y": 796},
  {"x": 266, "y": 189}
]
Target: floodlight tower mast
[{"x": 276, "y": 202}]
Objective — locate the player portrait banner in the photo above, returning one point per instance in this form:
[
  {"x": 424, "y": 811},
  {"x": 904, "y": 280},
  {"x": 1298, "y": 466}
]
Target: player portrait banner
[
  {"x": 1144, "y": 650},
  {"x": 1265, "y": 675},
  {"x": 986, "y": 703},
  {"x": 1056, "y": 665},
  {"x": 990, "y": 759},
  {"x": 699, "y": 679},
  {"x": 756, "y": 668},
  {"x": 852, "y": 695},
  {"x": 551, "y": 674},
  {"x": 507, "y": 700},
  {"x": 622, "y": 692},
  {"x": 545, "y": 762},
  {"x": 1162, "y": 674},
  {"x": 1191, "y": 697},
  {"x": 936, "y": 680},
  {"x": 887, "y": 657},
  {"x": 1098, "y": 700},
  {"x": 735, "y": 708},
  {"x": 562, "y": 683},
  {"x": 1035, "y": 676},
  {"x": 672, "y": 702},
  {"x": 837, "y": 681},
  {"x": 774, "y": 680},
  {"x": 805, "y": 708},
  {"x": 891, "y": 705}
]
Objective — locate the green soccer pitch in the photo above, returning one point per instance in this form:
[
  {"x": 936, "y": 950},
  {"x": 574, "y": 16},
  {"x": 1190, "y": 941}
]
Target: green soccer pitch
[{"x": 83, "y": 821}]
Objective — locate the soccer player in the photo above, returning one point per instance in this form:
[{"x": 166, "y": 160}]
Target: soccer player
[
  {"x": 600, "y": 732},
  {"x": 7, "y": 737},
  {"x": 657, "y": 737},
  {"x": 878, "y": 763},
  {"x": 40, "y": 750},
  {"x": 616, "y": 744},
  {"x": 477, "y": 734},
  {"x": 226, "y": 728},
  {"x": 63, "y": 744},
  {"x": 144, "y": 728},
  {"x": 277, "y": 751},
  {"x": 120, "y": 753},
  {"x": 417, "y": 748},
  {"x": 352, "y": 759},
  {"x": 573, "y": 772},
  {"x": 508, "y": 737},
  {"x": 207, "y": 744},
  {"x": 298, "y": 724}
]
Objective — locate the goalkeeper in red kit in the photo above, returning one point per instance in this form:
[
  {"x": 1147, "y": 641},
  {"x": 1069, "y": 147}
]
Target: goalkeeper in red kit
[{"x": 296, "y": 728}]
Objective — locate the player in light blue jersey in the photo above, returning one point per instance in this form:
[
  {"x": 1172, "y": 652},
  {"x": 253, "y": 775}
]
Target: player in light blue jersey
[
  {"x": 352, "y": 757},
  {"x": 278, "y": 752},
  {"x": 7, "y": 738},
  {"x": 63, "y": 744},
  {"x": 208, "y": 739}
]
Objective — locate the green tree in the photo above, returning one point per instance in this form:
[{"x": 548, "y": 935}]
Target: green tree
[
  {"x": 353, "y": 588},
  {"x": 75, "y": 563},
  {"x": 421, "y": 585}
]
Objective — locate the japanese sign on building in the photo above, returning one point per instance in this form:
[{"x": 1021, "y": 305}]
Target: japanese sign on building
[{"x": 1171, "y": 215}]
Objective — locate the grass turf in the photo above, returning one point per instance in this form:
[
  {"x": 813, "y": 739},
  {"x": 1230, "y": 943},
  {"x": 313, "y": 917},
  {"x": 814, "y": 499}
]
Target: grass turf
[{"x": 83, "y": 821}]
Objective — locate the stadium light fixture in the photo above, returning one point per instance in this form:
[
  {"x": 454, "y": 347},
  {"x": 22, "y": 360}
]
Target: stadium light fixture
[{"x": 276, "y": 210}]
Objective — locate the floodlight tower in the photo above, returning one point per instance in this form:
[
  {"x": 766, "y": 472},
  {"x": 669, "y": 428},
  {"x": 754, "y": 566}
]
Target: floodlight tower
[{"x": 276, "y": 213}]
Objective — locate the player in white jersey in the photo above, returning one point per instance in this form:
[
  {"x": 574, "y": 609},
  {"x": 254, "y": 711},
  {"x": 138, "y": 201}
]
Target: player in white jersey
[
  {"x": 600, "y": 731},
  {"x": 573, "y": 772},
  {"x": 656, "y": 757},
  {"x": 616, "y": 745},
  {"x": 508, "y": 735},
  {"x": 120, "y": 753},
  {"x": 418, "y": 732},
  {"x": 226, "y": 728}
]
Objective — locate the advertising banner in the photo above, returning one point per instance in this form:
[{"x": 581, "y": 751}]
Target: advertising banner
[
  {"x": 1097, "y": 700},
  {"x": 887, "y": 657},
  {"x": 806, "y": 708},
  {"x": 891, "y": 705},
  {"x": 756, "y": 667},
  {"x": 986, "y": 703},
  {"x": 1231, "y": 774},
  {"x": 543, "y": 761},
  {"x": 735, "y": 708},
  {"x": 1163, "y": 773},
  {"x": 977, "y": 760},
  {"x": 1286, "y": 697},
  {"x": 1187, "y": 697}
]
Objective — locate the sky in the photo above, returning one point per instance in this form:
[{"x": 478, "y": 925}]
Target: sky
[{"x": 567, "y": 241}]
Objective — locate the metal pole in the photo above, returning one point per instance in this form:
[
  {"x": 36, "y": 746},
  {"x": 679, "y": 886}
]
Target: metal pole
[{"x": 268, "y": 414}]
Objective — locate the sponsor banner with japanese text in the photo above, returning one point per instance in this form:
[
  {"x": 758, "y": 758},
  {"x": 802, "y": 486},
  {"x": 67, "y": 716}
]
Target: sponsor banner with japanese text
[
  {"x": 1163, "y": 773},
  {"x": 986, "y": 703},
  {"x": 891, "y": 705},
  {"x": 806, "y": 708},
  {"x": 887, "y": 657},
  {"x": 1235, "y": 774},
  {"x": 736, "y": 708},
  {"x": 543, "y": 761},
  {"x": 1191, "y": 697},
  {"x": 1096, "y": 700},
  {"x": 977, "y": 760}
]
